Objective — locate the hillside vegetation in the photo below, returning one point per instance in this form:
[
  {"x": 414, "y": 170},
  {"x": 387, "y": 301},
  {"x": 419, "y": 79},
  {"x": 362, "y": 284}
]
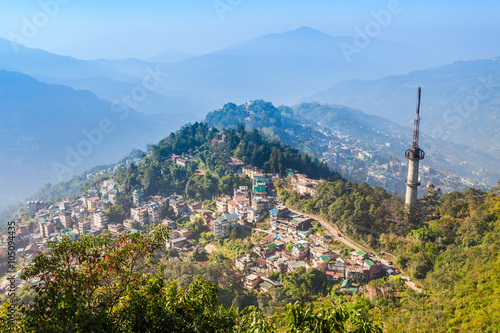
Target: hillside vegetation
[{"x": 449, "y": 245}]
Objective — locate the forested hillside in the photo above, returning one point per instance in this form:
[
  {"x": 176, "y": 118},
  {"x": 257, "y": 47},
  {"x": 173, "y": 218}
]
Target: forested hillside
[
  {"x": 449, "y": 245},
  {"x": 207, "y": 174}
]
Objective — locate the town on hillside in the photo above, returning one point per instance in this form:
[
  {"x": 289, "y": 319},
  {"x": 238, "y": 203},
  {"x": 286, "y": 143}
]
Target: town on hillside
[{"x": 281, "y": 240}]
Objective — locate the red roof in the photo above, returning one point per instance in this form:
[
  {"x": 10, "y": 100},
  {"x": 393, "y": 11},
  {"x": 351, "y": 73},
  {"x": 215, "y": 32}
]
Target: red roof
[
  {"x": 240, "y": 199},
  {"x": 232, "y": 203},
  {"x": 335, "y": 275},
  {"x": 350, "y": 262},
  {"x": 261, "y": 261}
]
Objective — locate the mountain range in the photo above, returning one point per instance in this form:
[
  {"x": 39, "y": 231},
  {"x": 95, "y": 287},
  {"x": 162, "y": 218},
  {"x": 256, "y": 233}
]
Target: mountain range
[
  {"x": 282, "y": 67},
  {"x": 460, "y": 101},
  {"x": 48, "y": 100},
  {"x": 51, "y": 132}
]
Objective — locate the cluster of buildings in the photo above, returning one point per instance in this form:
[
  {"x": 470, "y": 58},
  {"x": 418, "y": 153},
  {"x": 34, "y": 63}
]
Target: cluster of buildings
[
  {"x": 303, "y": 184},
  {"x": 247, "y": 204},
  {"x": 88, "y": 215},
  {"x": 309, "y": 249},
  {"x": 290, "y": 242},
  {"x": 271, "y": 256}
]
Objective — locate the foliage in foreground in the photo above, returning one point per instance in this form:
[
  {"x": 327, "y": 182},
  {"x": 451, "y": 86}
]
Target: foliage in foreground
[{"x": 97, "y": 284}]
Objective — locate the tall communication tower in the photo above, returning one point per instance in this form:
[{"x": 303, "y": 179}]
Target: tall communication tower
[{"x": 414, "y": 155}]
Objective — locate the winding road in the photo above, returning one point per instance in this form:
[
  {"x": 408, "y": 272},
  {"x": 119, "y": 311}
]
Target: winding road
[{"x": 352, "y": 244}]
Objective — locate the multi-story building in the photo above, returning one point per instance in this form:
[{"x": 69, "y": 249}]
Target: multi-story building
[
  {"x": 91, "y": 203},
  {"x": 42, "y": 220},
  {"x": 84, "y": 226},
  {"x": 374, "y": 269},
  {"x": 250, "y": 171},
  {"x": 137, "y": 196},
  {"x": 231, "y": 207},
  {"x": 224, "y": 224},
  {"x": 277, "y": 213},
  {"x": 180, "y": 208},
  {"x": 154, "y": 214},
  {"x": 115, "y": 228},
  {"x": 48, "y": 229},
  {"x": 244, "y": 263},
  {"x": 241, "y": 191},
  {"x": 241, "y": 200},
  {"x": 65, "y": 218},
  {"x": 261, "y": 205},
  {"x": 251, "y": 281},
  {"x": 99, "y": 220},
  {"x": 112, "y": 196},
  {"x": 222, "y": 205},
  {"x": 356, "y": 273},
  {"x": 305, "y": 188},
  {"x": 127, "y": 224},
  {"x": 33, "y": 207},
  {"x": 266, "y": 250},
  {"x": 139, "y": 215},
  {"x": 300, "y": 250},
  {"x": 241, "y": 210},
  {"x": 253, "y": 215}
]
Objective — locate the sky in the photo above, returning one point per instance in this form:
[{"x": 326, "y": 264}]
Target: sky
[{"x": 90, "y": 29}]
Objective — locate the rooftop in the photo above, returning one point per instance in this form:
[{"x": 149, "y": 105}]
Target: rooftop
[
  {"x": 266, "y": 285},
  {"x": 369, "y": 262}
]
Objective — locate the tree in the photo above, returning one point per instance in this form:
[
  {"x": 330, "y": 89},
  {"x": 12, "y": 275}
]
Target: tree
[
  {"x": 233, "y": 235},
  {"x": 83, "y": 281}
]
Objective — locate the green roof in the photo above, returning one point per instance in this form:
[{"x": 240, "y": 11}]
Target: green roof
[
  {"x": 296, "y": 222},
  {"x": 369, "y": 262},
  {"x": 345, "y": 283},
  {"x": 361, "y": 253},
  {"x": 325, "y": 258},
  {"x": 352, "y": 290},
  {"x": 270, "y": 246},
  {"x": 266, "y": 285}
]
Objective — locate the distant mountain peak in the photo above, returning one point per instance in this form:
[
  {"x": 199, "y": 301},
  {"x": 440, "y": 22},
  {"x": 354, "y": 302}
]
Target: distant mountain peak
[
  {"x": 307, "y": 29},
  {"x": 170, "y": 56}
]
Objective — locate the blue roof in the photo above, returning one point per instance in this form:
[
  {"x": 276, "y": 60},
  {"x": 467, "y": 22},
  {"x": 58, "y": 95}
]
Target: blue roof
[
  {"x": 274, "y": 211},
  {"x": 228, "y": 216}
]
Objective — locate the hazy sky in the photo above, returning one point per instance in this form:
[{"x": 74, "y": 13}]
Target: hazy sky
[{"x": 89, "y": 29}]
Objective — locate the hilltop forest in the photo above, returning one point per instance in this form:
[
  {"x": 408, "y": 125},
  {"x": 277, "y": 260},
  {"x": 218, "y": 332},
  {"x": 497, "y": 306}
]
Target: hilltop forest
[{"x": 207, "y": 175}]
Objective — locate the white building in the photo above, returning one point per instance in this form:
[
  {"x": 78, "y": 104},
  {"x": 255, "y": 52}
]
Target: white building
[{"x": 224, "y": 224}]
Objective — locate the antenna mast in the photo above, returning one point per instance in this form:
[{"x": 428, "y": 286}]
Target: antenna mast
[{"x": 417, "y": 123}]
